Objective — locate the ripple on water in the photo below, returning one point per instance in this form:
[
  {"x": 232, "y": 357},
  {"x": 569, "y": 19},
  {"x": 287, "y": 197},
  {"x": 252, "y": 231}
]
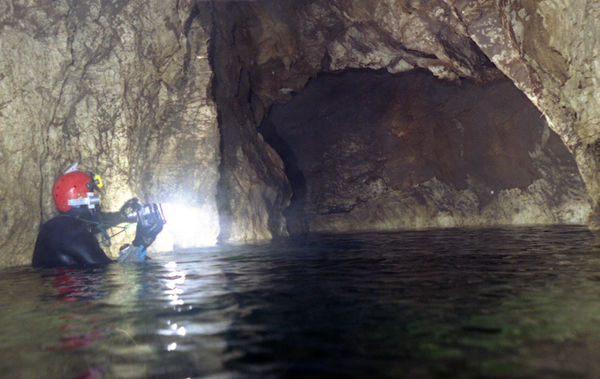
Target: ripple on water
[{"x": 501, "y": 302}]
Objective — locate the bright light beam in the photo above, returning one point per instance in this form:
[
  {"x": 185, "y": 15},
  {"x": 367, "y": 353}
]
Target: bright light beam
[{"x": 188, "y": 227}]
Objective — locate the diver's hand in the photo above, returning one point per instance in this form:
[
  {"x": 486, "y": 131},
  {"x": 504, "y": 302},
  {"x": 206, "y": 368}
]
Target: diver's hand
[
  {"x": 131, "y": 253},
  {"x": 150, "y": 223},
  {"x": 129, "y": 210}
]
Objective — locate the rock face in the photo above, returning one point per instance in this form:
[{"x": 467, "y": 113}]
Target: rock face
[
  {"x": 534, "y": 44},
  {"x": 122, "y": 88},
  {"x": 531, "y": 42},
  {"x": 164, "y": 98},
  {"x": 253, "y": 190},
  {"x": 373, "y": 151}
]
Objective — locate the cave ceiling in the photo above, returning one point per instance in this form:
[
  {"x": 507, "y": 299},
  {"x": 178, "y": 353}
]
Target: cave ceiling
[{"x": 286, "y": 42}]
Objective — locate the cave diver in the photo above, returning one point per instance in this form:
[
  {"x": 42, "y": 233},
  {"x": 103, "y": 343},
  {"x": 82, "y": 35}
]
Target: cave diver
[{"x": 69, "y": 238}]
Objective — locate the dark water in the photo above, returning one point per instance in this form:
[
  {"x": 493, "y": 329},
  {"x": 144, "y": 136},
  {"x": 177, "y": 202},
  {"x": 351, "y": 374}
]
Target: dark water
[{"x": 491, "y": 303}]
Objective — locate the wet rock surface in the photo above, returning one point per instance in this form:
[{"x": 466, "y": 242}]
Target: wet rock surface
[
  {"x": 253, "y": 188},
  {"x": 533, "y": 43},
  {"x": 121, "y": 88},
  {"x": 164, "y": 99},
  {"x": 374, "y": 151}
]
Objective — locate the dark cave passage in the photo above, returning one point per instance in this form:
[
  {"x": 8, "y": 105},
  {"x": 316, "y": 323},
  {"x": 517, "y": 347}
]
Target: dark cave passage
[{"x": 371, "y": 151}]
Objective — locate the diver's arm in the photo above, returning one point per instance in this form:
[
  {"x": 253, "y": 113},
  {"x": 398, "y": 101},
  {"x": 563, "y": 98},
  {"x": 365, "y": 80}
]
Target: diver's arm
[
  {"x": 127, "y": 213},
  {"x": 111, "y": 219}
]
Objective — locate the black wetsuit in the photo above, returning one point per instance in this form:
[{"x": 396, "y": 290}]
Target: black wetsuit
[{"x": 68, "y": 239}]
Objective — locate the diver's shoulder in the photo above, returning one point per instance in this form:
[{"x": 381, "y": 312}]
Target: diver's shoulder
[{"x": 61, "y": 220}]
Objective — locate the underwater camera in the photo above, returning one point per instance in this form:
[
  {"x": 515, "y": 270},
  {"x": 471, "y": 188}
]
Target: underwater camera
[{"x": 151, "y": 214}]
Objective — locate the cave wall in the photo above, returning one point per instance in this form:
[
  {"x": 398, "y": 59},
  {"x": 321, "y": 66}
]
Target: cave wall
[
  {"x": 122, "y": 87},
  {"x": 130, "y": 89},
  {"x": 549, "y": 49},
  {"x": 371, "y": 151},
  {"x": 253, "y": 188},
  {"x": 539, "y": 45}
]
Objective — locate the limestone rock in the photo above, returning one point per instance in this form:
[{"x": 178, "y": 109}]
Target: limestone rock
[
  {"x": 120, "y": 88},
  {"x": 548, "y": 49},
  {"x": 372, "y": 152},
  {"x": 164, "y": 99},
  {"x": 285, "y": 43},
  {"x": 253, "y": 191}
]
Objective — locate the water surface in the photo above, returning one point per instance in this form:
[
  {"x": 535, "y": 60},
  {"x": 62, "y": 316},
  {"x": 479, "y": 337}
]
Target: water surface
[{"x": 469, "y": 303}]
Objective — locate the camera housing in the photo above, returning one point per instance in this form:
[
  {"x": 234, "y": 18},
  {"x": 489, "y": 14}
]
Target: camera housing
[{"x": 150, "y": 214}]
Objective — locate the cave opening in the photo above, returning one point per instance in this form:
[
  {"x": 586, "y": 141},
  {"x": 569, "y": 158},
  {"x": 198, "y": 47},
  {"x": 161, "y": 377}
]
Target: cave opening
[{"x": 368, "y": 150}]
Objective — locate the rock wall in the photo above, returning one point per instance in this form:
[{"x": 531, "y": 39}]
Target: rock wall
[
  {"x": 253, "y": 191},
  {"x": 123, "y": 88},
  {"x": 371, "y": 151},
  {"x": 549, "y": 49},
  {"x": 536, "y": 44},
  {"x": 130, "y": 89}
]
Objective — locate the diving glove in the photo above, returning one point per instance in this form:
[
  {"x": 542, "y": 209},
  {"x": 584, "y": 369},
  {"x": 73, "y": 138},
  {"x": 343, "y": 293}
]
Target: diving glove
[
  {"x": 129, "y": 210},
  {"x": 131, "y": 253}
]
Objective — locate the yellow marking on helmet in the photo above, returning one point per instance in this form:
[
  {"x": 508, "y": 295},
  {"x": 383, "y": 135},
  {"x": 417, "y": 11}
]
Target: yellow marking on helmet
[{"x": 98, "y": 181}]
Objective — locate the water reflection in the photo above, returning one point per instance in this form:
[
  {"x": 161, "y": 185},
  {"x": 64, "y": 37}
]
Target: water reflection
[
  {"x": 436, "y": 296},
  {"x": 77, "y": 329},
  {"x": 175, "y": 279},
  {"x": 174, "y": 288},
  {"x": 80, "y": 324},
  {"x": 191, "y": 327},
  {"x": 520, "y": 302}
]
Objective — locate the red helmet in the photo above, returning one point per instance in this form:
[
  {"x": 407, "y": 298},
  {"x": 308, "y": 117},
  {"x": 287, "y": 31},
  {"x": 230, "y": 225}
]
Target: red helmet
[{"x": 69, "y": 186}]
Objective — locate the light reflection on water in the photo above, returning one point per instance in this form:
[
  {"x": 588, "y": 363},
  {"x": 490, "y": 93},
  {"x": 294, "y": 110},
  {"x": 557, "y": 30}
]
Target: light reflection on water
[{"x": 512, "y": 302}]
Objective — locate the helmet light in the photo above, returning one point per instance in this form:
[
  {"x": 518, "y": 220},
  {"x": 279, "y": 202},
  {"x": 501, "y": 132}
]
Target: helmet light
[
  {"x": 98, "y": 181},
  {"x": 91, "y": 200}
]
